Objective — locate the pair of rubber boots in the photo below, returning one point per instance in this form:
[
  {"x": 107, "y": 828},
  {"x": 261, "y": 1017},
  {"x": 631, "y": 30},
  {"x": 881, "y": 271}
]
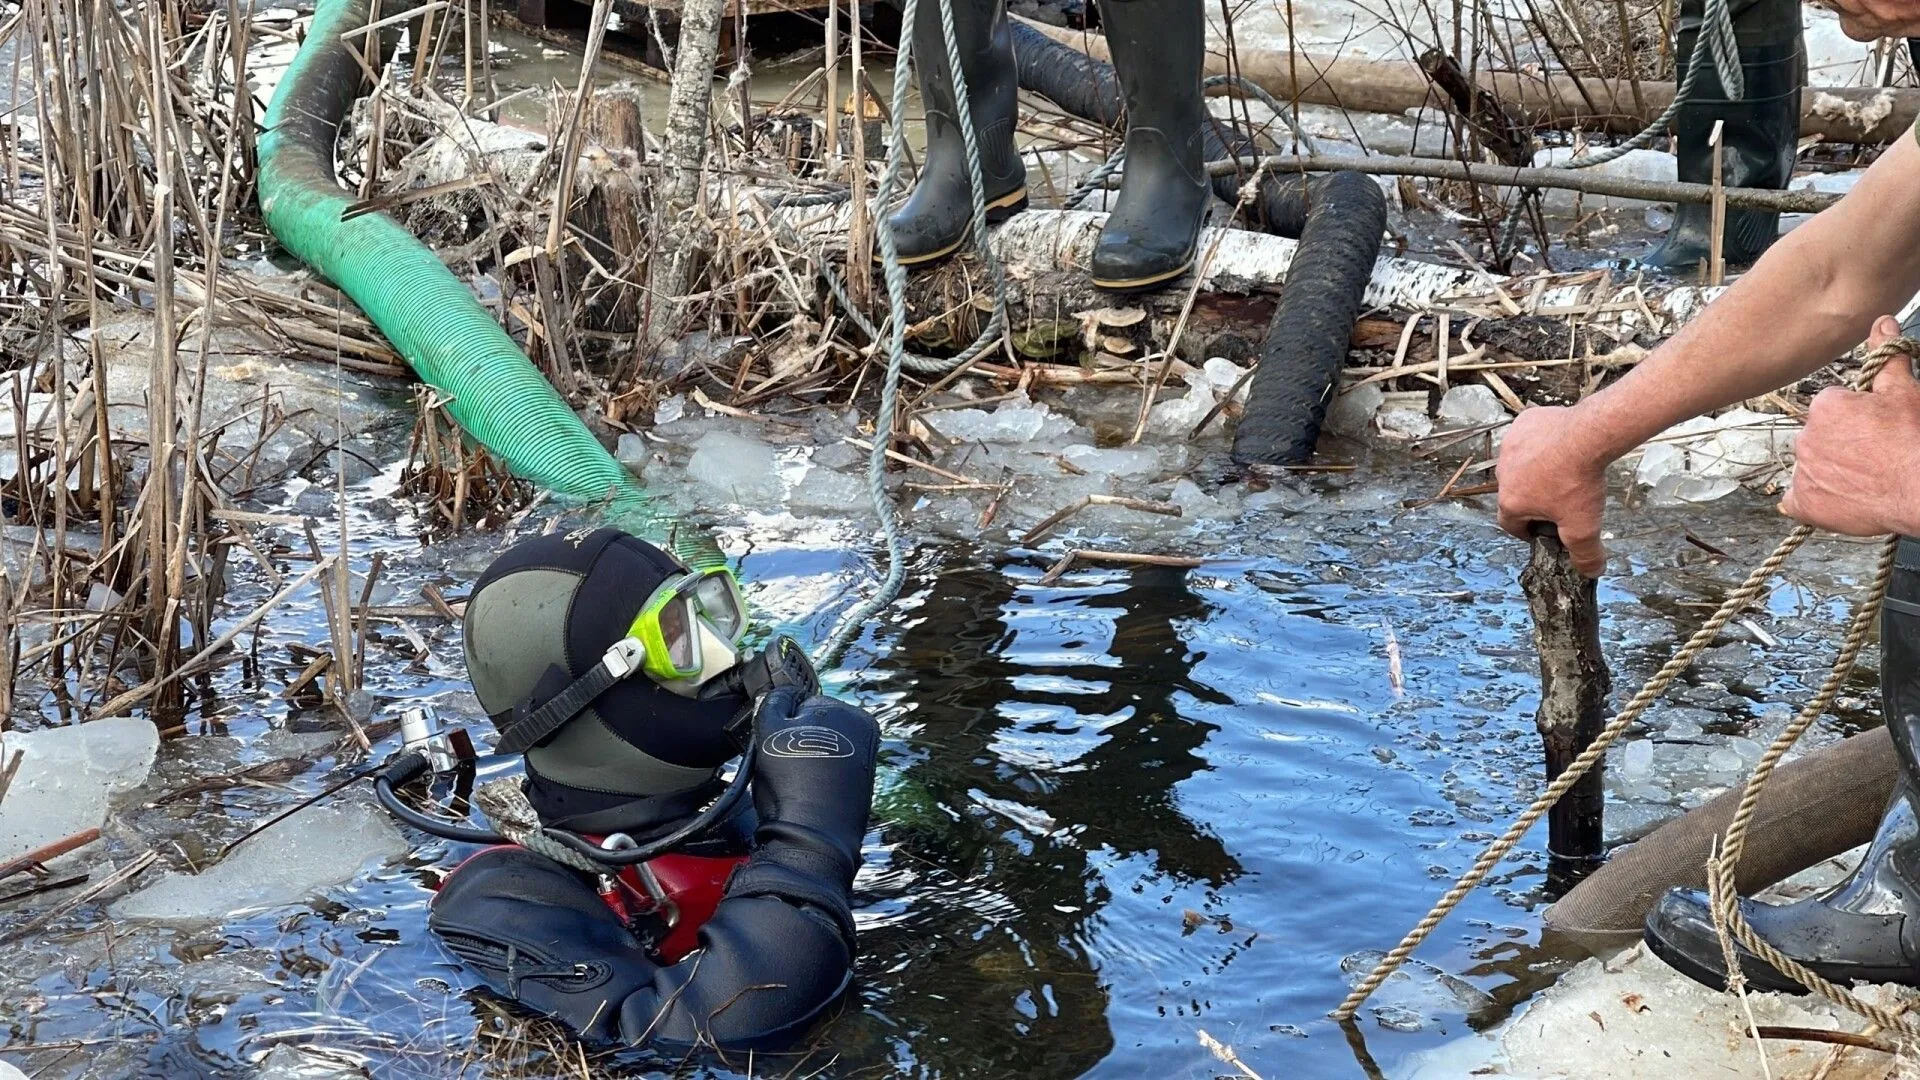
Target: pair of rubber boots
[
  {"x": 1868, "y": 927},
  {"x": 1759, "y": 133},
  {"x": 1158, "y": 47}
]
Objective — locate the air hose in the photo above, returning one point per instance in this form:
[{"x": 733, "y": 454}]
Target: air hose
[
  {"x": 430, "y": 316},
  {"x": 1338, "y": 218}
]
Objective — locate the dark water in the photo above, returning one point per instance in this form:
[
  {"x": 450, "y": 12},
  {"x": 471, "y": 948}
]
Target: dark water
[{"x": 1118, "y": 811}]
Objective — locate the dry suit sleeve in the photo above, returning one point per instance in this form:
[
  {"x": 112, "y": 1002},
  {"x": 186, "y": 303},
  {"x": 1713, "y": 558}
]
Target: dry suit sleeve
[{"x": 778, "y": 952}]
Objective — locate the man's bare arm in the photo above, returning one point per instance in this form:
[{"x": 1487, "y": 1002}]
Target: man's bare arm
[{"x": 1812, "y": 297}]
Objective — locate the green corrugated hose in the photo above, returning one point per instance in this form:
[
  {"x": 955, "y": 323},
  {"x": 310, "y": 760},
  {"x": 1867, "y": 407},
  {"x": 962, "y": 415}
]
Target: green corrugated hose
[{"x": 431, "y": 317}]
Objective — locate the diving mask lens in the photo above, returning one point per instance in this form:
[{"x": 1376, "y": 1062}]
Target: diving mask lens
[
  {"x": 676, "y": 629},
  {"x": 670, "y": 623},
  {"x": 717, "y": 597}
]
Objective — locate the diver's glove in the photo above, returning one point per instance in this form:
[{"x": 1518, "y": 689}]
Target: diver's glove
[{"x": 813, "y": 783}]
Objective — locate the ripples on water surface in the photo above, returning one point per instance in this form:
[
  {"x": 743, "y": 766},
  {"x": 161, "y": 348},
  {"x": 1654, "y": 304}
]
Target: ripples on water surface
[{"x": 1119, "y": 810}]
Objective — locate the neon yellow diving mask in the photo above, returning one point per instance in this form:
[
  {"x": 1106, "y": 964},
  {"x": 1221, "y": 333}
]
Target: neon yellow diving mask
[{"x": 690, "y": 627}]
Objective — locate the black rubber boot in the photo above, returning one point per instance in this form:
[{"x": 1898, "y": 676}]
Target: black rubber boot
[
  {"x": 1758, "y": 133},
  {"x": 1868, "y": 927},
  {"x": 1158, "y": 47},
  {"x": 938, "y": 218}
]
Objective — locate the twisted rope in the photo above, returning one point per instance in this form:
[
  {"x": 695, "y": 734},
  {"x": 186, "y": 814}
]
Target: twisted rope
[
  {"x": 1592, "y": 755},
  {"x": 1716, "y": 41},
  {"x": 1723, "y": 895},
  {"x": 506, "y": 806}
]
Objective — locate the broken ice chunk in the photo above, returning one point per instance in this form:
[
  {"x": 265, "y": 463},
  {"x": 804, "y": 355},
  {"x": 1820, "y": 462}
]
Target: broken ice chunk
[
  {"x": 1178, "y": 416},
  {"x": 632, "y": 452},
  {"x": 67, "y": 775},
  {"x": 316, "y": 848},
  {"x": 1351, "y": 411},
  {"x": 1470, "y": 406},
  {"x": 838, "y": 455},
  {"x": 1125, "y": 462},
  {"x": 1659, "y": 460},
  {"x": 1195, "y": 503},
  {"x": 744, "y": 469},
  {"x": 1401, "y": 422},
  {"x": 1013, "y": 421},
  {"x": 834, "y": 492},
  {"x": 1633, "y": 1016},
  {"x": 1418, "y": 994},
  {"x": 1636, "y": 759},
  {"x": 670, "y": 409},
  {"x": 289, "y": 1062},
  {"x": 1224, "y": 377}
]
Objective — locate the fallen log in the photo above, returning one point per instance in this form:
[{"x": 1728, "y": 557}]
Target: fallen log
[
  {"x": 1540, "y": 101},
  {"x": 1581, "y": 180},
  {"x": 1054, "y": 309}
]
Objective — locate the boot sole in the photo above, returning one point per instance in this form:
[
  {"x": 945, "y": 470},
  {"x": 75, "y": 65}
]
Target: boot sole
[
  {"x": 998, "y": 211},
  {"x": 1687, "y": 965},
  {"x": 1142, "y": 284}
]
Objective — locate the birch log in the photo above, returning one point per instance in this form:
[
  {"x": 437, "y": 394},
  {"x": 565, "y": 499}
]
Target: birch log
[{"x": 1545, "y": 101}]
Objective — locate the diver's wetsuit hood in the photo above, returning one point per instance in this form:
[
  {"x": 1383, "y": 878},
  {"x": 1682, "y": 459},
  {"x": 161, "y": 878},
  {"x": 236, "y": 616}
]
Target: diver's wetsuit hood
[{"x": 640, "y": 757}]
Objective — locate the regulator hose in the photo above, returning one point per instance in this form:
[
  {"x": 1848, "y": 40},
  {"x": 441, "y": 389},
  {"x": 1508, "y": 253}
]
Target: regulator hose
[
  {"x": 1339, "y": 219},
  {"x": 404, "y": 770},
  {"x": 1816, "y": 807},
  {"x": 430, "y": 316}
]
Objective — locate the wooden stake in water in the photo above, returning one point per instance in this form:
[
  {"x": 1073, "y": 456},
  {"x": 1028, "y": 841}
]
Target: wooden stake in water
[
  {"x": 1717, "y": 240},
  {"x": 1574, "y": 685}
]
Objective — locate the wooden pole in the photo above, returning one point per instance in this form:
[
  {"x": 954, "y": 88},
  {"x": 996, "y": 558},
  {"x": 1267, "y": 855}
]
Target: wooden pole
[
  {"x": 1717, "y": 237},
  {"x": 1574, "y": 685},
  {"x": 833, "y": 81}
]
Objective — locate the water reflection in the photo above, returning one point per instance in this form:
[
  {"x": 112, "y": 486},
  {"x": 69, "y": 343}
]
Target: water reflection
[{"x": 1049, "y": 733}]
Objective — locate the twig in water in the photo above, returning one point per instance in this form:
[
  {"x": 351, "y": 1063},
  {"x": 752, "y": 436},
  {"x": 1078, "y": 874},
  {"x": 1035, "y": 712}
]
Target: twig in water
[
  {"x": 48, "y": 852},
  {"x": 102, "y": 887},
  {"x": 1124, "y": 558},
  {"x": 6, "y": 774},
  {"x": 1821, "y": 1035},
  {"x": 145, "y": 690},
  {"x": 1053, "y": 520}
]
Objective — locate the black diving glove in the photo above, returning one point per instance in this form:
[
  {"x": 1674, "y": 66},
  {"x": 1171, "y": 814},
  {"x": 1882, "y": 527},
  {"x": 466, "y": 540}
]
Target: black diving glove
[
  {"x": 813, "y": 783},
  {"x": 540, "y": 936}
]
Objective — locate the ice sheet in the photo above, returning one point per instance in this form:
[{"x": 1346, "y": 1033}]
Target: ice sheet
[
  {"x": 68, "y": 776},
  {"x": 303, "y": 855}
]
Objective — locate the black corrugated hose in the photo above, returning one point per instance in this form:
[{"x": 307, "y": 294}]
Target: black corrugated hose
[{"x": 1338, "y": 218}]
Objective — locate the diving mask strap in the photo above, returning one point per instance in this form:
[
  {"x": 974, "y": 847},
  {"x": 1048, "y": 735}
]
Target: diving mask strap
[{"x": 529, "y": 729}]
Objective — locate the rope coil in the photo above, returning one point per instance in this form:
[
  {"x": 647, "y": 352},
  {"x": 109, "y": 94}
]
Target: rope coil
[{"x": 1702, "y": 638}]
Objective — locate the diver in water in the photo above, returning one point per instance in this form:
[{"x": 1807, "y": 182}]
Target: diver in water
[{"x": 618, "y": 674}]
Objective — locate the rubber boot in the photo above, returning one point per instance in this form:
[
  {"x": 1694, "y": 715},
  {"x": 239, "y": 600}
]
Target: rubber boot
[
  {"x": 938, "y": 218},
  {"x": 1149, "y": 239},
  {"x": 1868, "y": 927},
  {"x": 1758, "y": 133}
]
